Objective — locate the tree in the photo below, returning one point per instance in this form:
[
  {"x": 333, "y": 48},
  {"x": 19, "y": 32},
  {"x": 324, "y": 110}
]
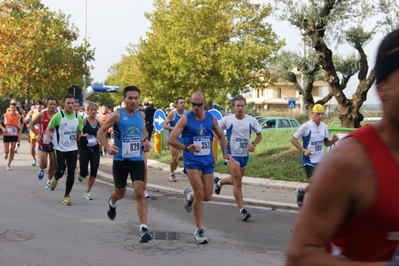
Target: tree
[
  {"x": 125, "y": 73},
  {"x": 324, "y": 21},
  {"x": 289, "y": 63},
  {"x": 212, "y": 46},
  {"x": 37, "y": 58}
]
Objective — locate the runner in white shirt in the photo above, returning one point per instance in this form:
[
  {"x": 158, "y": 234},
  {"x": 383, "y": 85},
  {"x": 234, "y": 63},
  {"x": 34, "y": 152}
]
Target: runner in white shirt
[
  {"x": 239, "y": 127},
  {"x": 314, "y": 134}
]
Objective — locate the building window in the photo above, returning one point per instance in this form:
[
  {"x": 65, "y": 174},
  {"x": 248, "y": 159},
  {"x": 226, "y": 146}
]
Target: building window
[
  {"x": 279, "y": 93},
  {"x": 257, "y": 94}
]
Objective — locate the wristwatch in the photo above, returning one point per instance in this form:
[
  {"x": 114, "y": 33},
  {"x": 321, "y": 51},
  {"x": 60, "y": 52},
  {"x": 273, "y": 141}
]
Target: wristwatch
[{"x": 253, "y": 143}]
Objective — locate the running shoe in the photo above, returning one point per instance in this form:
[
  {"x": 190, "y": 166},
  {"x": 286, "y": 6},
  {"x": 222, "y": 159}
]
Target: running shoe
[
  {"x": 216, "y": 188},
  {"x": 5, "y": 156},
  {"x": 79, "y": 177},
  {"x": 8, "y": 167},
  {"x": 111, "y": 210},
  {"x": 187, "y": 203},
  {"x": 67, "y": 201},
  {"x": 34, "y": 162},
  {"x": 47, "y": 186},
  {"x": 199, "y": 237},
  {"x": 53, "y": 183},
  {"x": 172, "y": 177},
  {"x": 145, "y": 236},
  {"x": 146, "y": 194},
  {"x": 87, "y": 195},
  {"x": 300, "y": 195},
  {"x": 245, "y": 215},
  {"x": 40, "y": 174}
]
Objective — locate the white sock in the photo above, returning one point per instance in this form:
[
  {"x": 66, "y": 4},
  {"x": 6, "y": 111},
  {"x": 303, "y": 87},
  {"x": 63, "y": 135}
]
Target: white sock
[
  {"x": 243, "y": 208},
  {"x": 188, "y": 197},
  {"x": 143, "y": 225},
  {"x": 112, "y": 205},
  {"x": 218, "y": 183}
]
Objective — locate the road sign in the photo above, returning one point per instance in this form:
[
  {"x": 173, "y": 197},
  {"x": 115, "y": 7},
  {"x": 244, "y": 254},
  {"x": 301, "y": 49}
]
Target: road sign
[
  {"x": 216, "y": 113},
  {"x": 159, "y": 119},
  {"x": 291, "y": 103}
]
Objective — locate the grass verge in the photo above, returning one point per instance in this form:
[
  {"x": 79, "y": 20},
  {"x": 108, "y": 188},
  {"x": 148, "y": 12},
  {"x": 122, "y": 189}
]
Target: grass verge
[{"x": 275, "y": 158}]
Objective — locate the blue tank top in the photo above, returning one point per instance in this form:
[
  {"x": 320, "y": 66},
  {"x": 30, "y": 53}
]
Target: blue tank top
[
  {"x": 200, "y": 133},
  {"x": 128, "y": 132},
  {"x": 175, "y": 119}
]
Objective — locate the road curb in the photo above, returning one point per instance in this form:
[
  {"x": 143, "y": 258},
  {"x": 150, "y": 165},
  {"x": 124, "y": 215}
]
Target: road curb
[{"x": 270, "y": 204}]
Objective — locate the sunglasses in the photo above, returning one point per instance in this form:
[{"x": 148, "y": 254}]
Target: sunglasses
[{"x": 197, "y": 104}]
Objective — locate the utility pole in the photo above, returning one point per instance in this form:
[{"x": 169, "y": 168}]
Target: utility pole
[{"x": 85, "y": 38}]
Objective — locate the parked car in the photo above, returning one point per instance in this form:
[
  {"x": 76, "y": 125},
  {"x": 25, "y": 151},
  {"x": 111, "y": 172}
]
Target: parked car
[{"x": 278, "y": 123}]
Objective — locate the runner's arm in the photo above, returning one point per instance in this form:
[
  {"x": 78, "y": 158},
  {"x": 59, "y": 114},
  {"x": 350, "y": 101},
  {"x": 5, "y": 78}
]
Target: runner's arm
[
  {"x": 169, "y": 119},
  {"x": 35, "y": 121},
  {"x": 219, "y": 134},
  {"x": 110, "y": 122},
  {"x": 175, "y": 133}
]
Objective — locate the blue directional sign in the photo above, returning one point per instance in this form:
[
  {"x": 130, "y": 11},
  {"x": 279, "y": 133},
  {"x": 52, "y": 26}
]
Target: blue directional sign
[
  {"x": 292, "y": 103},
  {"x": 216, "y": 113},
  {"x": 159, "y": 119}
]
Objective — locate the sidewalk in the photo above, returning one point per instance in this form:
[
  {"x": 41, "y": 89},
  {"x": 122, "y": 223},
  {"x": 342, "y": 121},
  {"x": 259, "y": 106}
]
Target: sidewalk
[{"x": 256, "y": 191}]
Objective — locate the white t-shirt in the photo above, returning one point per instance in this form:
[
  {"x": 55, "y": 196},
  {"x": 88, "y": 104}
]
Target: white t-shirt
[{"x": 239, "y": 133}]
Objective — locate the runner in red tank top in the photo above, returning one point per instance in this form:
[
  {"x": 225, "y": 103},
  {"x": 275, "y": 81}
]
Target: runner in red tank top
[
  {"x": 351, "y": 216},
  {"x": 43, "y": 119}
]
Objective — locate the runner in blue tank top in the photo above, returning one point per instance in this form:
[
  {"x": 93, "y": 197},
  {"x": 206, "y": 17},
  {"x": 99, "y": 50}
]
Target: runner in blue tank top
[
  {"x": 170, "y": 122},
  {"x": 129, "y": 131},
  {"x": 197, "y": 128}
]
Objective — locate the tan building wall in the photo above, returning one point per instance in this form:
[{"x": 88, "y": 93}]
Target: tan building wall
[{"x": 277, "y": 95}]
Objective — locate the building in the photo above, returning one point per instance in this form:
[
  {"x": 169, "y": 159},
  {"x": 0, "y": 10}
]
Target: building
[{"x": 277, "y": 96}]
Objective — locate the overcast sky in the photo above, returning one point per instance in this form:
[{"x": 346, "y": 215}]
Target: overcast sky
[{"x": 112, "y": 25}]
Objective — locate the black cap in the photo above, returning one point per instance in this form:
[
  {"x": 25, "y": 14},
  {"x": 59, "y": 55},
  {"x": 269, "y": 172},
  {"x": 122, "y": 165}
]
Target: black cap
[{"x": 386, "y": 56}]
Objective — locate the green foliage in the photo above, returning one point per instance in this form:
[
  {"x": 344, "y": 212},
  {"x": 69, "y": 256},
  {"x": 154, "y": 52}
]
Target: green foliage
[
  {"x": 275, "y": 157},
  {"x": 211, "y": 46},
  {"x": 333, "y": 22},
  {"x": 37, "y": 58},
  {"x": 124, "y": 73}
]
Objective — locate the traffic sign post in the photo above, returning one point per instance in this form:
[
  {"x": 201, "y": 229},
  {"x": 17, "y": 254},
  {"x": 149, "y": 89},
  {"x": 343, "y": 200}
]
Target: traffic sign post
[
  {"x": 291, "y": 104},
  {"x": 159, "y": 120},
  {"x": 216, "y": 113}
]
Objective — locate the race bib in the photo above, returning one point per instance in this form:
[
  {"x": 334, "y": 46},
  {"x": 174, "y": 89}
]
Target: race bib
[
  {"x": 92, "y": 141},
  {"x": 241, "y": 145},
  {"x": 131, "y": 147},
  {"x": 70, "y": 138},
  {"x": 204, "y": 143},
  {"x": 316, "y": 148},
  {"x": 11, "y": 130}
]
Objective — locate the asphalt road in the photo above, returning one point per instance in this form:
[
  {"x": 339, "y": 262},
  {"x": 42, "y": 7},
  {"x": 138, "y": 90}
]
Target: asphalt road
[{"x": 37, "y": 229}]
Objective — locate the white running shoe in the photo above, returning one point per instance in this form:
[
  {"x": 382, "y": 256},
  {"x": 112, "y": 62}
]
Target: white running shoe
[
  {"x": 172, "y": 177},
  {"x": 199, "y": 237}
]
